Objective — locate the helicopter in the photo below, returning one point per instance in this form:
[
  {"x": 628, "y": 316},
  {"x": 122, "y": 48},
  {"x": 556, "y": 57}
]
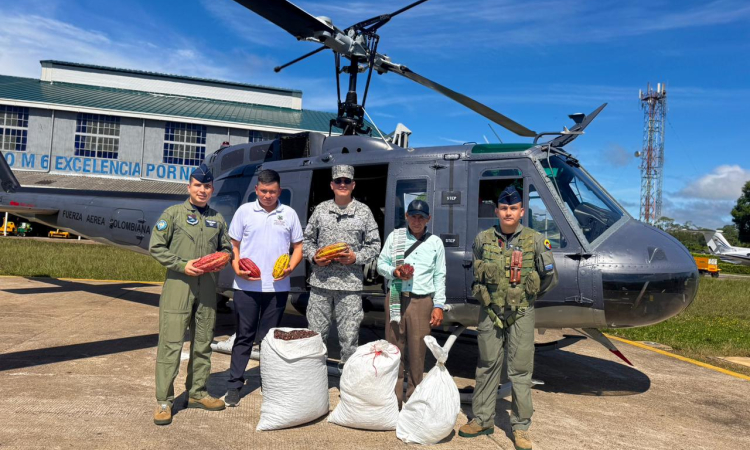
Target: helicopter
[{"x": 614, "y": 271}]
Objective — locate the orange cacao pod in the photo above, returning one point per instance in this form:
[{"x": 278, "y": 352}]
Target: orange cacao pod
[
  {"x": 331, "y": 251},
  {"x": 212, "y": 262}
]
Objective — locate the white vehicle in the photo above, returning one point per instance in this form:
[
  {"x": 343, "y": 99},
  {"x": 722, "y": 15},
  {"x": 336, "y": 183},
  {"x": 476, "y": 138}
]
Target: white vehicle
[{"x": 718, "y": 245}]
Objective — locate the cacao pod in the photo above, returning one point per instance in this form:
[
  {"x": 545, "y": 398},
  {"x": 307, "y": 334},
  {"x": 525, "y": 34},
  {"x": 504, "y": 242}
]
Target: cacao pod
[
  {"x": 213, "y": 262},
  {"x": 281, "y": 264},
  {"x": 407, "y": 270},
  {"x": 331, "y": 251},
  {"x": 247, "y": 265}
]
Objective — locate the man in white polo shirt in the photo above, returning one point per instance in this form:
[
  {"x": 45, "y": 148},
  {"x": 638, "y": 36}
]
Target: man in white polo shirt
[{"x": 262, "y": 231}]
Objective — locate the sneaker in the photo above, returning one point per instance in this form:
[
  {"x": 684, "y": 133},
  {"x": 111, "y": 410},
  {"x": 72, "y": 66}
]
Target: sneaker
[
  {"x": 224, "y": 346},
  {"x": 208, "y": 403},
  {"x": 232, "y": 398},
  {"x": 163, "y": 414},
  {"x": 522, "y": 439},
  {"x": 473, "y": 429}
]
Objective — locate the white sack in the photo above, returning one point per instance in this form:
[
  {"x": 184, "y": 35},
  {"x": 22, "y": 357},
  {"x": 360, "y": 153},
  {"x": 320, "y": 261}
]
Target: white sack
[
  {"x": 431, "y": 412},
  {"x": 295, "y": 381},
  {"x": 368, "y": 384}
]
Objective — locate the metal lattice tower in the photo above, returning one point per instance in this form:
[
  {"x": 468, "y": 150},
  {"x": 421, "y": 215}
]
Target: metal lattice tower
[{"x": 654, "y": 105}]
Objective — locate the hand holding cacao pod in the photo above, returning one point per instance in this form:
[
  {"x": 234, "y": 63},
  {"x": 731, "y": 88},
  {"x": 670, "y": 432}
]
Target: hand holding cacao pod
[
  {"x": 330, "y": 252},
  {"x": 247, "y": 265},
  {"x": 407, "y": 270},
  {"x": 280, "y": 266},
  {"x": 213, "y": 262}
]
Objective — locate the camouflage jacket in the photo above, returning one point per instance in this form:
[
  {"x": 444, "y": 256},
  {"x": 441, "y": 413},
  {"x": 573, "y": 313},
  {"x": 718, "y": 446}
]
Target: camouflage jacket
[{"x": 353, "y": 225}]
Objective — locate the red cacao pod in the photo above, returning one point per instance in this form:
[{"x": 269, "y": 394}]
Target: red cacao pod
[
  {"x": 247, "y": 265},
  {"x": 213, "y": 262},
  {"x": 407, "y": 270}
]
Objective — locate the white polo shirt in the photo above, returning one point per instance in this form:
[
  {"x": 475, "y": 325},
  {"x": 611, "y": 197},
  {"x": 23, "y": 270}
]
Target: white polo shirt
[{"x": 263, "y": 237}]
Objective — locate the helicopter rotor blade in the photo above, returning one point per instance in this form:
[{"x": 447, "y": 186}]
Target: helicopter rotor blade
[
  {"x": 561, "y": 141},
  {"x": 378, "y": 21},
  {"x": 294, "y": 61},
  {"x": 290, "y": 17},
  {"x": 468, "y": 102}
]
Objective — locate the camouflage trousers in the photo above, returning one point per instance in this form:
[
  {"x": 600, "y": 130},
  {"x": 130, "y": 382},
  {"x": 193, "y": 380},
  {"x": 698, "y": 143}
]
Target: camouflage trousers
[
  {"x": 516, "y": 345},
  {"x": 343, "y": 306}
]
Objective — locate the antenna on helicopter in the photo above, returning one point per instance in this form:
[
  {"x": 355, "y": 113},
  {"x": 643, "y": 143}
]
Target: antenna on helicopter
[
  {"x": 496, "y": 135},
  {"x": 359, "y": 44}
]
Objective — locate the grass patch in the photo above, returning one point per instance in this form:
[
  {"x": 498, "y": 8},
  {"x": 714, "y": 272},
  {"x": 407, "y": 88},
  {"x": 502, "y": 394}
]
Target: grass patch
[
  {"x": 717, "y": 323},
  {"x": 35, "y": 258}
]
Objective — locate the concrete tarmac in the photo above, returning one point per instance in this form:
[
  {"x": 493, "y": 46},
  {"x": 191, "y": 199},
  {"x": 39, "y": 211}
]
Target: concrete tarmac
[{"x": 77, "y": 371}]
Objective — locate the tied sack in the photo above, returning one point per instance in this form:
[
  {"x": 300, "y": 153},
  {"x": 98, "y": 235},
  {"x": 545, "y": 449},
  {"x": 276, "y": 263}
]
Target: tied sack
[
  {"x": 430, "y": 414},
  {"x": 368, "y": 397},
  {"x": 295, "y": 381}
]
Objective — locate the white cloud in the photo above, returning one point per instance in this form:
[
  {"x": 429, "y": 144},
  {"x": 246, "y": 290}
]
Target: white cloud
[
  {"x": 723, "y": 183},
  {"x": 702, "y": 213}
]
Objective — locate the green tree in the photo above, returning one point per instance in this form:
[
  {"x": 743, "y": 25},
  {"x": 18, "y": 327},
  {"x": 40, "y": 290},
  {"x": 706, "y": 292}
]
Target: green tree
[
  {"x": 741, "y": 214},
  {"x": 733, "y": 237},
  {"x": 665, "y": 223}
]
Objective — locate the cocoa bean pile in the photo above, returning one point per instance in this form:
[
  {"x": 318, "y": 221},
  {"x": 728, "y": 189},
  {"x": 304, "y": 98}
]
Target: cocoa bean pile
[{"x": 293, "y": 335}]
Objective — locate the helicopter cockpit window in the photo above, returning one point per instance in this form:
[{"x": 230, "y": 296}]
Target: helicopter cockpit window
[
  {"x": 406, "y": 192},
  {"x": 285, "y": 198},
  {"x": 489, "y": 191},
  {"x": 592, "y": 208},
  {"x": 542, "y": 221}
]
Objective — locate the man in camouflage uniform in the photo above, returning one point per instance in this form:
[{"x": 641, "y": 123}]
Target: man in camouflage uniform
[
  {"x": 183, "y": 234},
  {"x": 512, "y": 266},
  {"x": 337, "y": 284}
]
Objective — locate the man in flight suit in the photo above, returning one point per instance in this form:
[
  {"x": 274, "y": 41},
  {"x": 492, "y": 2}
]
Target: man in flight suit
[
  {"x": 512, "y": 266},
  {"x": 337, "y": 284},
  {"x": 183, "y": 234}
]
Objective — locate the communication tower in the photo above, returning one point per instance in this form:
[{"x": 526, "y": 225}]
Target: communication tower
[{"x": 654, "y": 105}]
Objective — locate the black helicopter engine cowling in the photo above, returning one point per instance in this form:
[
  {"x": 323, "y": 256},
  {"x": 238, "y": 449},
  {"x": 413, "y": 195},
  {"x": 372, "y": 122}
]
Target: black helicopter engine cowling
[{"x": 647, "y": 276}]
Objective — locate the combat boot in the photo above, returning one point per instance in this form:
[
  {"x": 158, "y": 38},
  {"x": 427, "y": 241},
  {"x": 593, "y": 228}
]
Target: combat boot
[
  {"x": 208, "y": 403},
  {"x": 473, "y": 429},
  {"x": 163, "y": 414},
  {"x": 522, "y": 439}
]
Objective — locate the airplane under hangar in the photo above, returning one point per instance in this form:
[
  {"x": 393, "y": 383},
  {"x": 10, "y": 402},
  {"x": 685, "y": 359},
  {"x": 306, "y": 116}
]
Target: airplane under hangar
[{"x": 131, "y": 130}]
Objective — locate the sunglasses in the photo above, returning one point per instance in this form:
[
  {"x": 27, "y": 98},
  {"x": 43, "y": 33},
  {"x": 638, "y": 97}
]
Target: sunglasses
[{"x": 346, "y": 181}]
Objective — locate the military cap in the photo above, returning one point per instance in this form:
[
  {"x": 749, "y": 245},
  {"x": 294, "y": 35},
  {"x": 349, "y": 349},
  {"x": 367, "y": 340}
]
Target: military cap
[
  {"x": 418, "y": 207},
  {"x": 202, "y": 174},
  {"x": 342, "y": 171},
  {"x": 509, "y": 196}
]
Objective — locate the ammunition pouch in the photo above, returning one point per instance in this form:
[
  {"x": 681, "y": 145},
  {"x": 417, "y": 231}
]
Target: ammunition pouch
[{"x": 479, "y": 291}]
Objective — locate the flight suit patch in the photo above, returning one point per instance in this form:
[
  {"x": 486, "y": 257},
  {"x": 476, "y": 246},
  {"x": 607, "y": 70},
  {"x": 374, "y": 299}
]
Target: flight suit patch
[
  {"x": 161, "y": 225},
  {"x": 547, "y": 244},
  {"x": 210, "y": 223},
  {"x": 192, "y": 219}
]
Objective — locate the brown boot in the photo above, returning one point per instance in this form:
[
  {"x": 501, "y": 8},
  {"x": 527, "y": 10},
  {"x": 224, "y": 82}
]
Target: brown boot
[
  {"x": 522, "y": 439},
  {"x": 473, "y": 429},
  {"x": 208, "y": 403},
  {"x": 163, "y": 414}
]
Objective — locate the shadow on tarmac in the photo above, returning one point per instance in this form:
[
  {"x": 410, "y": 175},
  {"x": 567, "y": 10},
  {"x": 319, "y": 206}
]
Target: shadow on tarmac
[{"x": 114, "y": 290}]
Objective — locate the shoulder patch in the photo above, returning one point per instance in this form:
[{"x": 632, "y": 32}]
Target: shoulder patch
[
  {"x": 547, "y": 244},
  {"x": 161, "y": 225}
]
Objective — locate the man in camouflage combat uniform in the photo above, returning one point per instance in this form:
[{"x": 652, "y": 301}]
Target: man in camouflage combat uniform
[
  {"x": 184, "y": 233},
  {"x": 512, "y": 266},
  {"x": 337, "y": 284}
]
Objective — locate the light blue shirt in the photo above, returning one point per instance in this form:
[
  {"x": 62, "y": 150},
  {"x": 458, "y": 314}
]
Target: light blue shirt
[
  {"x": 428, "y": 261},
  {"x": 263, "y": 237}
]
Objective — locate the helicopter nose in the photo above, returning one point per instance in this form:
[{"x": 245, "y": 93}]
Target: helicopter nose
[{"x": 648, "y": 276}]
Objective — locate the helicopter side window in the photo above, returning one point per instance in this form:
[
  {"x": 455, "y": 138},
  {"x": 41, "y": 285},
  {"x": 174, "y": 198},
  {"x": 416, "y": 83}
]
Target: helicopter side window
[
  {"x": 542, "y": 221},
  {"x": 489, "y": 191},
  {"x": 594, "y": 210},
  {"x": 285, "y": 198},
  {"x": 406, "y": 192}
]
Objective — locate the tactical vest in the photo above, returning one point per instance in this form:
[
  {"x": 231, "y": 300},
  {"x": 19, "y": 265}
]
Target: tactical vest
[{"x": 493, "y": 274}]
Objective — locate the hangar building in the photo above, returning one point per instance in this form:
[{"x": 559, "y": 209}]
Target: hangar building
[{"x": 108, "y": 123}]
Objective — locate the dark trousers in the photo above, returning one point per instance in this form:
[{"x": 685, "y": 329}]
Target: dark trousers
[
  {"x": 408, "y": 335},
  {"x": 255, "y": 314}
]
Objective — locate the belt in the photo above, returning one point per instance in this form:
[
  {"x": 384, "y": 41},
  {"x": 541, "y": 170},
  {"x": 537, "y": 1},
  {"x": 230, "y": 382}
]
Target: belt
[{"x": 413, "y": 295}]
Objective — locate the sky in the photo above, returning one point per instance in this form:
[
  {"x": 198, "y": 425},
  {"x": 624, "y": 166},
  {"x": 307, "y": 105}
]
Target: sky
[{"x": 535, "y": 61}]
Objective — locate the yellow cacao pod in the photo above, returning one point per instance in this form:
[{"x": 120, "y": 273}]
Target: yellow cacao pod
[
  {"x": 331, "y": 251},
  {"x": 281, "y": 264}
]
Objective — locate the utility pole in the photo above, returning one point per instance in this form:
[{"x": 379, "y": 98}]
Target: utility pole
[{"x": 654, "y": 105}]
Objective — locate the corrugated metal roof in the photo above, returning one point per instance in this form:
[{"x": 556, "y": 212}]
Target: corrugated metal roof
[
  {"x": 49, "y": 180},
  {"x": 167, "y": 75},
  {"x": 78, "y": 95}
]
